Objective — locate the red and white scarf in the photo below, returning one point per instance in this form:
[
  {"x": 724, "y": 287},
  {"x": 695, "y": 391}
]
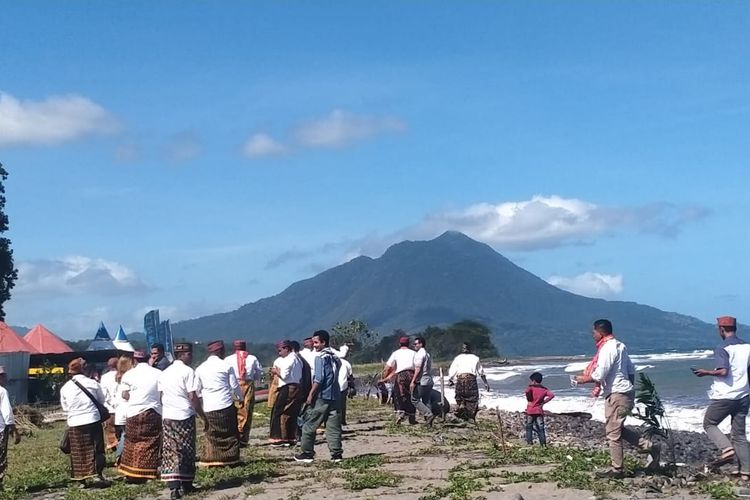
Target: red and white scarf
[{"x": 592, "y": 364}]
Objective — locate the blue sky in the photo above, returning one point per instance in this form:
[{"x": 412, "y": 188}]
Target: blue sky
[{"x": 195, "y": 157}]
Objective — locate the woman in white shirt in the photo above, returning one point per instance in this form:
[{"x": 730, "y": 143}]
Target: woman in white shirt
[
  {"x": 124, "y": 364},
  {"x": 84, "y": 423},
  {"x": 288, "y": 369}
]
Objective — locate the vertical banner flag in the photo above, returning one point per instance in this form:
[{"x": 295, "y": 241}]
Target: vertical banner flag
[
  {"x": 151, "y": 328},
  {"x": 165, "y": 332}
]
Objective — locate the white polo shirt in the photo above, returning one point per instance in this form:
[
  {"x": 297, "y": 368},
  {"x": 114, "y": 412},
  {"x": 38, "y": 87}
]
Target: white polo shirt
[
  {"x": 402, "y": 359},
  {"x": 218, "y": 384},
  {"x": 253, "y": 369},
  {"x": 466, "y": 363},
  {"x": 142, "y": 383},
  {"x": 176, "y": 382},
  {"x": 290, "y": 369}
]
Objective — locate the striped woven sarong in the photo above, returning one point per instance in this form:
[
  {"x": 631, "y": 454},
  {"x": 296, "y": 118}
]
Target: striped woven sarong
[
  {"x": 86, "y": 451},
  {"x": 221, "y": 445},
  {"x": 140, "y": 458},
  {"x": 178, "y": 450},
  {"x": 402, "y": 393},
  {"x": 3, "y": 453},
  {"x": 467, "y": 396},
  {"x": 110, "y": 435},
  {"x": 245, "y": 413},
  {"x": 284, "y": 415}
]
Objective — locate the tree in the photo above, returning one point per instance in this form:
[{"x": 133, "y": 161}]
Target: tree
[
  {"x": 445, "y": 343},
  {"x": 358, "y": 336},
  {"x": 8, "y": 271}
]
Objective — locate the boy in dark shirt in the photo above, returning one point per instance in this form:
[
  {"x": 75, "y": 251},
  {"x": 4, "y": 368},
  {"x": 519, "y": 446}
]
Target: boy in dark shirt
[{"x": 537, "y": 396}]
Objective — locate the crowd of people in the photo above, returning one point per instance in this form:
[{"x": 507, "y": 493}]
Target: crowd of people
[{"x": 145, "y": 409}]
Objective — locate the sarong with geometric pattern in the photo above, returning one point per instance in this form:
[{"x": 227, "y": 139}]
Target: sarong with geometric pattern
[
  {"x": 178, "y": 450},
  {"x": 142, "y": 453}
]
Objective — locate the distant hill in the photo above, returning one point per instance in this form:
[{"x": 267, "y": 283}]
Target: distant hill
[{"x": 441, "y": 281}]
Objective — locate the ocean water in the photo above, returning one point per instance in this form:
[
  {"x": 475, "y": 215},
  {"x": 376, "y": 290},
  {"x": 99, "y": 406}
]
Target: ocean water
[{"x": 684, "y": 395}]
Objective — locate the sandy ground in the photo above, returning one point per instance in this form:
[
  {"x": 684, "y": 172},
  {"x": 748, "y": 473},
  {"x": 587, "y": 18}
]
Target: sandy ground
[{"x": 421, "y": 457}]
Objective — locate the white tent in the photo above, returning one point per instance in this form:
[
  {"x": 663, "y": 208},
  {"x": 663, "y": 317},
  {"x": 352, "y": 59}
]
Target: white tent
[{"x": 121, "y": 341}]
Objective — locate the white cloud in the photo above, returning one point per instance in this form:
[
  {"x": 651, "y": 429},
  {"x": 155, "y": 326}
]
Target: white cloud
[
  {"x": 590, "y": 284},
  {"x": 261, "y": 144},
  {"x": 340, "y": 128},
  {"x": 538, "y": 223},
  {"x": 551, "y": 221},
  {"x": 76, "y": 275},
  {"x": 55, "y": 120},
  {"x": 184, "y": 146}
]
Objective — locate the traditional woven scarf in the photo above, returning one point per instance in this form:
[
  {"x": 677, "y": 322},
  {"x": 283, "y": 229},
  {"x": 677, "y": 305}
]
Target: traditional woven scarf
[
  {"x": 592, "y": 364},
  {"x": 241, "y": 357}
]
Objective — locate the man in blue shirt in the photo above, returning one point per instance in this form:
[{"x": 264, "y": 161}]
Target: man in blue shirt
[{"x": 323, "y": 403}]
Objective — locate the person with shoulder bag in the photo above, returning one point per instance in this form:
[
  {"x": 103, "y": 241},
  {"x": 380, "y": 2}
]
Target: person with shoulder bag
[{"x": 82, "y": 400}]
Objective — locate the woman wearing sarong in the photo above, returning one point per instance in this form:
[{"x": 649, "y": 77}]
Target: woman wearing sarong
[
  {"x": 109, "y": 386},
  {"x": 84, "y": 423},
  {"x": 220, "y": 390},
  {"x": 288, "y": 370},
  {"x": 465, "y": 369},
  {"x": 124, "y": 364},
  {"x": 140, "y": 457}
]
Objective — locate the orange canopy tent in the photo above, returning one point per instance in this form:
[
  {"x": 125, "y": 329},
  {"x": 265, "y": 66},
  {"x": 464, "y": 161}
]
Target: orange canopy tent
[
  {"x": 46, "y": 342},
  {"x": 11, "y": 342}
]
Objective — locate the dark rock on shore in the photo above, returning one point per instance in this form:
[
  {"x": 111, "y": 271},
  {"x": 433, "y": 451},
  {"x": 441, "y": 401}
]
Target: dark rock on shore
[{"x": 691, "y": 448}]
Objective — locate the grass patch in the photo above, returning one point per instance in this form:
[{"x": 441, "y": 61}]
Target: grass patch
[
  {"x": 252, "y": 471},
  {"x": 460, "y": 486},
  {"x": 359, "y": 480},
  {"x": 723, "y": 490}
]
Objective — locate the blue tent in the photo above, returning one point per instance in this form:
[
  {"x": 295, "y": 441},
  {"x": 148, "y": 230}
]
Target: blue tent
[{"x": 102, "y": 341}]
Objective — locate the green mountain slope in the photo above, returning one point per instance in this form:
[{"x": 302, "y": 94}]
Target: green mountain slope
[{"x": 450, "y": 278}]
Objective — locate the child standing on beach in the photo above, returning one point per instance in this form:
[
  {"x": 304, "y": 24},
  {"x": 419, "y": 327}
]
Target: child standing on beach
[{"x": 537, "y": 396}]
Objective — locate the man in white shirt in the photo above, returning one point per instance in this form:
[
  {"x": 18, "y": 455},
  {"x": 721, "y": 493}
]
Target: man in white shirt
[
  {"x": 140, "y": 457},
  {"x": 309, "y": 354},
  {"x": 248, "y": 371},
  {"x": 109, "y": 386},
  {"x": 87, "y": 459},
  {"x": 421, "y": 383},
  {"x": 180, "y": 396},
  {"x": 401, "y": 366},
  {"x": 288, "y": 370},
  {"x": 615, "y": 372},
  {"x": 7, "y": 425},
  {"x": 346, "y": 376},
  {"x": 465, "y": 369},
  {"x": 219, "y": 390},
  {"x": 730, "y": 396}
]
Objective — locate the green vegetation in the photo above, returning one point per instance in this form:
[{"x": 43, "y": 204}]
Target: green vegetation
[
  {"x": 356, "y": 480},
  {"x": 460, "y": 487},
  {"x": 8, "y": 271},
  {"x": 720, "y": 490},
  {"x": 653, "y": 415}
]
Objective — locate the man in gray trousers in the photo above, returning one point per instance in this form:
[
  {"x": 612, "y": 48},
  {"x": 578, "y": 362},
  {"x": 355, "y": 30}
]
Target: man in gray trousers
[
  {"x": 421, "y": 383},
  {"x": 730, "y": 396}
]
